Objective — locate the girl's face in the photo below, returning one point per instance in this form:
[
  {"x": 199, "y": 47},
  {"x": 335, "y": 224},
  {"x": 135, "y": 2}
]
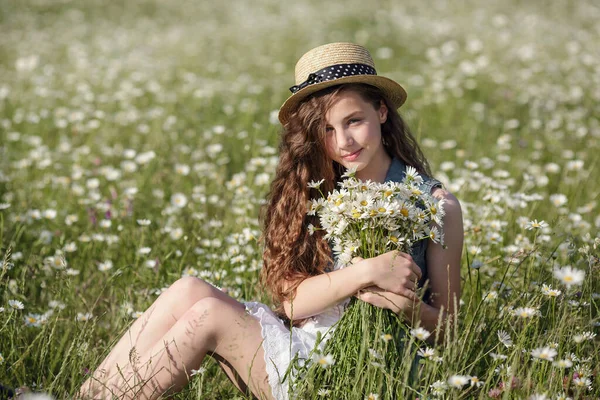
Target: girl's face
[{"x": 353, "y": 136}]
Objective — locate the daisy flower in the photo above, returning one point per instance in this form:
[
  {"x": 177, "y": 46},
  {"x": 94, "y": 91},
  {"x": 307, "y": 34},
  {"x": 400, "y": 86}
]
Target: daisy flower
[
  {"x": 536, "y": 225},
  {"x": 324, "y": 361},
  {"x": 544, "y": 353},
  {"x": 179, "y": 200},
  {"x": 458, "y": 381},
  {"x": 569, "y": 276},
  {"x": 504, "y": 338},
  {"x": 420, "y": 333},
  {"x": 16, "y": 304}
]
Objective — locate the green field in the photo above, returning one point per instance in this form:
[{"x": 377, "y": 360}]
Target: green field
[{"x": 114, "y": 112}]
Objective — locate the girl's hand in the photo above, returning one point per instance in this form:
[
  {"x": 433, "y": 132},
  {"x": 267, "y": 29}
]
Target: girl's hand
[
  {"x": 395, "y": 272},
  {"x": 378, "y": 297}
]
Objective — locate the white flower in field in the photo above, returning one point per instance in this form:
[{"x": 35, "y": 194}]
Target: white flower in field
[
  {"x": 582, "y": 383},
  {"x": 427, "y": 353},
  {"x": 420, "y": 333},
  {"x": 562, "y": 396},
  {"x": 176, "y": 233},
  {"x": 322, "y": 360},
  {"x": 82, "y": 317},
  {"x": 105, "y": 223},
  {"x": 71, "y": 219},
  {"x": 144, "y": 222},
  {"x": 566, "y": 363},
  {"x": 386, "y": 337},
  {"x": 375, "y": 354},
  {"x": 16, "y": 304},
  {"x": 70, "y": 247},
  {"x": 136, "y": 314},
  {"x": 1, "y": 359},
  {"x": 199, "y": 371},
  {"x": 179, "y": 200},
  {"x": 558, "y": 199},
  {"x": 182, "y": 169},
  {"x": 150, "y": 263},
  {"x": 35, "y": 320},
  {"x": 498, "y": 356},
  {"x": 372, "y": 396},
  {"x": 544, "y": 353},
  {"x": 412, "y": 176},
  {"x": 490, "y": 296},
  {"x": 525, "y": 312},
  {"x": 105, "y": 266},
  {"x": 583, "y": 337},
  {"x": 144, "y": 250},
  {"x": 569, "y": 276},
  {"x": 538, "y": 397},
  {"x": 315, "y": 184},
  {"x": 49, "y": 214},
  {"x": 36, "y": 396},
  {"x": 504, "y": 338},
  {"x": 534, "y": 224},
  {"x": 92, "y": 183},
  {"x": 323, "y": 392},
  {"x": 438, "y": 388},
  {"x": 548, "y": 291},
  {"x": 458, "y": 381},
  {"x": 128, "y": 166},
  {"x": 4, "y": 206},
  {"x": 475, "y": 381}
]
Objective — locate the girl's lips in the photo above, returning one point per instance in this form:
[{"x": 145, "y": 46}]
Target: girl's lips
[{"x": 353, "y": 156}]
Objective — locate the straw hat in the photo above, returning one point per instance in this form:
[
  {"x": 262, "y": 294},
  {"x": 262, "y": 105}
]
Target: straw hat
[{"x": 333, "y": 64}]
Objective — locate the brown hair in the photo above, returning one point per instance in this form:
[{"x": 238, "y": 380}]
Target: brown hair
[{"x": 291, "y": 254}]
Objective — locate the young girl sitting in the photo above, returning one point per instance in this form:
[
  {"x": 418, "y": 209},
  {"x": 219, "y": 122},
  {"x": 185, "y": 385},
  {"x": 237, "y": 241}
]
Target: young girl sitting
[{"x": 340, "y": 115}]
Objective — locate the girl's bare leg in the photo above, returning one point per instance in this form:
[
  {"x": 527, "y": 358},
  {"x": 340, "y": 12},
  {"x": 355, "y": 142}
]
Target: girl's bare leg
[{"x": 149, "y": 332}]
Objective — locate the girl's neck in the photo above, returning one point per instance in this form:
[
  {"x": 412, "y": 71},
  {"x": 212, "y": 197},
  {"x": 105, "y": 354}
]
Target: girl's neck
[{"x": 377, "y": 169}]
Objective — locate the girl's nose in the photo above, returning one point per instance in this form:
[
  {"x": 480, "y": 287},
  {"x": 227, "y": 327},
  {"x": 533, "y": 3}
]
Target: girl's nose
[{"x": 344, "y": 138}]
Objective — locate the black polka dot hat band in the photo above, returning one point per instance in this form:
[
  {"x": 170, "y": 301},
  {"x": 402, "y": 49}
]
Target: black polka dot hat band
[{"x": 333, "y": 64}]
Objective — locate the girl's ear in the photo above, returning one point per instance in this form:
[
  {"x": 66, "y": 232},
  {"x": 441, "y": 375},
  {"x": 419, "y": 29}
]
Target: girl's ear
[{"x": 383, "y": 111}]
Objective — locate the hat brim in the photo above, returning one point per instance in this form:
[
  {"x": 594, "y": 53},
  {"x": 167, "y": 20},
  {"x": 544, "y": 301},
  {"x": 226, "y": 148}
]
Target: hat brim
[{"x": 392, "y": 90}]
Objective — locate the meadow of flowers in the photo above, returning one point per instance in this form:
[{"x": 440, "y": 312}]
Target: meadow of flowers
[{"x": 138, "y": 140}]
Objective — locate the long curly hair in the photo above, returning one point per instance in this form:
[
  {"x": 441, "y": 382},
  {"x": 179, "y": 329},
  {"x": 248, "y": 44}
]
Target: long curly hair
[{"x": 291, "y": 254}]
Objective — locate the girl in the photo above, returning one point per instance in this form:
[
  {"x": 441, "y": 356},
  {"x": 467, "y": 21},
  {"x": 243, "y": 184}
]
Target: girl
[{"x": 340, "y": 115}]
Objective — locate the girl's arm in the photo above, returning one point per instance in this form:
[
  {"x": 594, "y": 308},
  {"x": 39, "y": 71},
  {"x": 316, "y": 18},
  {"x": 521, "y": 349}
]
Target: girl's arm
[{"x": 393, "y": 271}]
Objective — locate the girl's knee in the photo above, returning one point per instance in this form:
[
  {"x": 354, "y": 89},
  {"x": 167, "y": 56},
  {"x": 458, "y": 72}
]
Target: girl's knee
[{"x": 190, "y": 288}]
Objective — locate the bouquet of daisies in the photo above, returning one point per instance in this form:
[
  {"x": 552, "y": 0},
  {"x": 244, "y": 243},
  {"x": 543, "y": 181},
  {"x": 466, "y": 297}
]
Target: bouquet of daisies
[{"x": 365, "y": 219}]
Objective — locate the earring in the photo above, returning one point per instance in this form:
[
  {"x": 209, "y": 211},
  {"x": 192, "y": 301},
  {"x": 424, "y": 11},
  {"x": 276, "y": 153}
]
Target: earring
[{"x": 383, "y": 141}]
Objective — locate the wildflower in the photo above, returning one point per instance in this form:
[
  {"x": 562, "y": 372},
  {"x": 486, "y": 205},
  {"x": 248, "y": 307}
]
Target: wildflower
[
  {"x": 178, "y": 200},
  {"x": 372, "y": 396},
  {"x": 458, "y": 381},
  {"x": 105, "y": 266},
  {"x": 496, "y": 356},
  {"x": 582, "y": 383},
  {"x": 199, "y": 371},
  {"x": 476, "y": 382},
  {"x": 427, "y": 353},
  {"x": 323, "y": 392},
  {"x": 504, "y": 338},
  {"x": 536, "y": 225},
  {"x": 569, "y": 276},
  {"x": 548, "y": 291},
  {"x": 311, "y": 229},
  {"x": 538, "y": 397},
  {"x": 143, "y": 222},
  {"x": 375, "y": 354},
  {"x": 35, "y": 320},
  {"x": 16, "y": 304},
  {"x": 144, "y": 250},
  {"x": 315, "y": 184},
  {"x": 4, "y": 206},
  {"x": 544, "y": 353},
  {"x": 584, "y": 336},
  {"x": 1, "y": 359},
  {"x": 566, "y": 363},
  {"x": 490, "y": 296},
  {"x": 176, "y": 233},
  {"x": 386, "y": 337},
  {"x": 525, "y": 312},
  {"x": 562, "y": 396},
  {"x": 438, "y": 388},
  {"x": 82, "y": 317},
  {"x": 324, "y": 361},
  {"x": 420, "y": 333}
]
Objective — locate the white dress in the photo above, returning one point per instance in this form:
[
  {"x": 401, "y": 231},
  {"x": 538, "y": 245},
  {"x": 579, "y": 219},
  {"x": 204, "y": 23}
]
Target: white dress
[{"x": 280, "y": 346}]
